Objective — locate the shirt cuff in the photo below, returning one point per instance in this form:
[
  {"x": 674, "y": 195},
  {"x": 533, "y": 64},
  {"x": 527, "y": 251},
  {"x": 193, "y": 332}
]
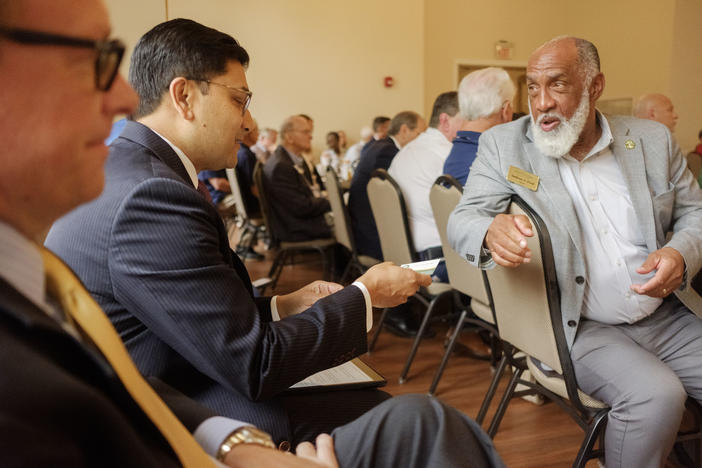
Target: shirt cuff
[
  {"x": 275, "y": 316},
  {"x": 369, "y": 305},
  {"x": 212, "y": 432}
]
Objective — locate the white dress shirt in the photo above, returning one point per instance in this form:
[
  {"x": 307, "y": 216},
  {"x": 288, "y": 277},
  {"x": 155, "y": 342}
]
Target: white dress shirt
[
  {"x": 415, "y": 168},
  {"x": 614, "y": 246}
]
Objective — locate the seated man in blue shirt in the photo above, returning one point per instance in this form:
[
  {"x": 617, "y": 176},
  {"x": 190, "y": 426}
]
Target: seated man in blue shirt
[{"x": 485, "y": 100}]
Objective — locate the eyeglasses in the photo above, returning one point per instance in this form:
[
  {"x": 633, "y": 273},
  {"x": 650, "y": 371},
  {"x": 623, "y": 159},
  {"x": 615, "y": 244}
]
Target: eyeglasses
[
  {"x": 244, "y": 98},
  {"x": 109, "y": 53}
]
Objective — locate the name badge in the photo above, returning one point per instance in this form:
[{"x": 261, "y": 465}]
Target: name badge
[{"x": 523, "y": 178}]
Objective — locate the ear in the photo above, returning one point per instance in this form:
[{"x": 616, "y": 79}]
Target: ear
[
  {"x": 597, "y": 87},
  {"x": 444, "y": 120},
  {"x": 181, "y": 93},
  {"x": 507, "y": 112}
]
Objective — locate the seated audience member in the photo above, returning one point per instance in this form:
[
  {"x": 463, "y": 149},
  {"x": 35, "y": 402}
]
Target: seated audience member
[
  {"x": 245, "y": 164},
  {"x": 342, "y": 141},
  {"x": 485, "y": 100},
  {"x": 62, "y": 403},
  {"x": 311, "y": 173},
  {"x": 330, "y": 156},
  {"x": 354, "y": 152},
  {"x": 154, "y": 253},
  {"x": 298, "y": 210},
  {"x": 609, "y": 189},
  {"x": 415, "y": 168},
  {"x": 266, "y": 144},
  {"x": 656, "y": 107},
  {"x": 698, "y": 148},
  {"x": 381, "y": 125},
  {"x": 404, "y": 128}
]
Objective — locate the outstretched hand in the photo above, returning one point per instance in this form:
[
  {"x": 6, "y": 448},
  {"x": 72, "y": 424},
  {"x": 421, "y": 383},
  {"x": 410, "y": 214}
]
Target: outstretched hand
[
  {"x": 390, "y": 285},
  {"x": 670, "y": 269},
  {"x": 506, "y": 240}
]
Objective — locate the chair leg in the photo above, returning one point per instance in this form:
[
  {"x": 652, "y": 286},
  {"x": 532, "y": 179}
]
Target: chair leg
[
  {"x": 277, "y": 267},
  {"x": 349, "y": 266},
  {"x": 593, "y": 432},
  {"x": 447, "y": 353},
  {"x": 418, "y": 338},
  {"x": 504, "y": 402},
  {"x": 491, "y": 390},
  {"x": 371, "y": 346}
]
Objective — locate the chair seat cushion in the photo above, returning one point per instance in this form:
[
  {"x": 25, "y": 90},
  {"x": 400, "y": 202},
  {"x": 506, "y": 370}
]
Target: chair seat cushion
[{"x": 554, "y": 382}]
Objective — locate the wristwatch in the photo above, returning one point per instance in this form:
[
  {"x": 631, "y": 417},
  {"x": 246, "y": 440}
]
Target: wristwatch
[{"x": 244, "y": 435}]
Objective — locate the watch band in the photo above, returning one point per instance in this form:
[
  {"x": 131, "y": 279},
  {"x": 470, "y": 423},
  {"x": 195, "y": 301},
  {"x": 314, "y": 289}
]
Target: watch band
[{"x": 244, "y": 435}]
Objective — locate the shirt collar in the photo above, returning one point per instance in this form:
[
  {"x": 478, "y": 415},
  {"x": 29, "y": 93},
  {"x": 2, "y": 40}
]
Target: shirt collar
[
  {"x": 22, "y": 265},
  {"x": 399, "y": 146},
  {"x": 297, "y": 160},
  {"x": 189, "y": 166},
  {"x": 606, "y": 138}
]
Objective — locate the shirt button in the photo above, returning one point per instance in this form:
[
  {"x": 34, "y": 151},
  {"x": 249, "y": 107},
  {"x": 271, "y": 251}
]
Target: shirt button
[
  {"x": 619, "y": 263},
  {"x": 579, "y": 279},
  {"x": 572, "y": 323},
  {"x": 593, "y": 197}
]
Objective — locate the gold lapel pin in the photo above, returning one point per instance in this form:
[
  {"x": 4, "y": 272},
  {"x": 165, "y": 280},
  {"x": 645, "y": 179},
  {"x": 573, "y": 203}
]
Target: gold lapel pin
[{"x": 629, "y": 144}]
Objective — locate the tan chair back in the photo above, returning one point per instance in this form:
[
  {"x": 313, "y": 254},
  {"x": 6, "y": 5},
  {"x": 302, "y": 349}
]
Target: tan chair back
[
  {"x": 264, "y": 203},
  {"x": 342, "y": 225},
  {"x": 520, "y": 296},
  {"x": 390, "y": 213},
  {"x": 236, "y": 193},
  {"x": 464, "y": 277}
]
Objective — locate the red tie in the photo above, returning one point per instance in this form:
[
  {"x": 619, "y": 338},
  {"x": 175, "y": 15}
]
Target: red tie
[{"x": 202, "y": 188}]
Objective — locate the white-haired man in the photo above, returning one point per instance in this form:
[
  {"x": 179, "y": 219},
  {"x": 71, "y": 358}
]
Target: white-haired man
[
  {"x": 485, "y": 100},
  {"x": 609, "y": 189},
  {"x": 415, "y": 168},
  {"x": 353, "y": 154},
  {"x": 656, "y": 107}
]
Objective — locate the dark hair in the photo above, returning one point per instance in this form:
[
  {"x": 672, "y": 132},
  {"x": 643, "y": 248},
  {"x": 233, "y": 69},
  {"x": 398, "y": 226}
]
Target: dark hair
[
  {"x": 408, "y": 118},
  {"x": 306, "y": 117},
  {"x": 699, "y": 135},
  {"x": 334, "y": 134},
  {"x": 179, "y": 47},
  {"x": 379, "y": 122},
  {"x": 445, "y": 103}
]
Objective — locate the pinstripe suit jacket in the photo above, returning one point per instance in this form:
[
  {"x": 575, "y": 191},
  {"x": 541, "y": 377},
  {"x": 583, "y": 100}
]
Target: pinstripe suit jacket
[
  {"x": 664, "y": 194},
  {"x": 155, "y": 255}
]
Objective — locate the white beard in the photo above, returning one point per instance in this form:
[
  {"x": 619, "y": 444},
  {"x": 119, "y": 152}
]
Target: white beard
[{"x": 559, "y": 141}]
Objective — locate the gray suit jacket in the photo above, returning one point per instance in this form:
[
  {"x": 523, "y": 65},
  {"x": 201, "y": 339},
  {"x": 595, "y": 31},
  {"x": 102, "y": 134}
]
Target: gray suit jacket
[{"x": 665, "y": 196}]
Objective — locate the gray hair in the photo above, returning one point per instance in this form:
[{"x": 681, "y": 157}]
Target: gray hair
[
  {"x": 408, "y": 118},
  {"x": 445, "y": 103},
  {"x": 588, "y": 57},
  {"x": 483, "y": 92}
]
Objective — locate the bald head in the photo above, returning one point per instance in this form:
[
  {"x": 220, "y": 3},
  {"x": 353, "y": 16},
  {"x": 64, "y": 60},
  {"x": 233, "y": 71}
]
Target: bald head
[
  {"x": 296, "y": 134},
  {"x": 656, "y": 107}
]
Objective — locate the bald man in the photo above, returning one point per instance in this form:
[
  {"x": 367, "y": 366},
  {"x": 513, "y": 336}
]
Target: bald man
[{"x": 656, "y": 107}]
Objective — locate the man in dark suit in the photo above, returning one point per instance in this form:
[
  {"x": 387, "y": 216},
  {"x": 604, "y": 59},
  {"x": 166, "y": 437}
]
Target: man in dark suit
[
  {"x": 69, "y": 394},
  {"x": 297, "y": 206},
  {"x": 154, "y": 253},
  {"x": 62, "y": 403},
  {"x": 404, "y": 127}
]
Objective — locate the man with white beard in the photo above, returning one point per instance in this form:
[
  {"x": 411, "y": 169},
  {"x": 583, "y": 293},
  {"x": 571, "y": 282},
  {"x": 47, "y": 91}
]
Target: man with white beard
[{"x": 609, "y": 190}]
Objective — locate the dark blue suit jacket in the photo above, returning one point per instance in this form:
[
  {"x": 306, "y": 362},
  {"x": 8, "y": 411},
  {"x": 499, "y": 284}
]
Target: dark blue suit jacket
[
  {"x": 376, "y": 155},
  {"x": 155, "y": 255}
]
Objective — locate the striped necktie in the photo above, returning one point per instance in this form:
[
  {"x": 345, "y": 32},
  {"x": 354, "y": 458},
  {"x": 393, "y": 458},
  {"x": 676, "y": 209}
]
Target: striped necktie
[{"x": 78, "y": 304}]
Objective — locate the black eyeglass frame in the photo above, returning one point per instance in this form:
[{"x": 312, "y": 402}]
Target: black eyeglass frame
[{"x": 109, "y": 52}]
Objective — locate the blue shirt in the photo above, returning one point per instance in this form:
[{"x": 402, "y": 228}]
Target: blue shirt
[{"x": 462, "y": 155}]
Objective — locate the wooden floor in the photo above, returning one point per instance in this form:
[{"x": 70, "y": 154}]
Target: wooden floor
[{"x": 529, "y": 436}]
